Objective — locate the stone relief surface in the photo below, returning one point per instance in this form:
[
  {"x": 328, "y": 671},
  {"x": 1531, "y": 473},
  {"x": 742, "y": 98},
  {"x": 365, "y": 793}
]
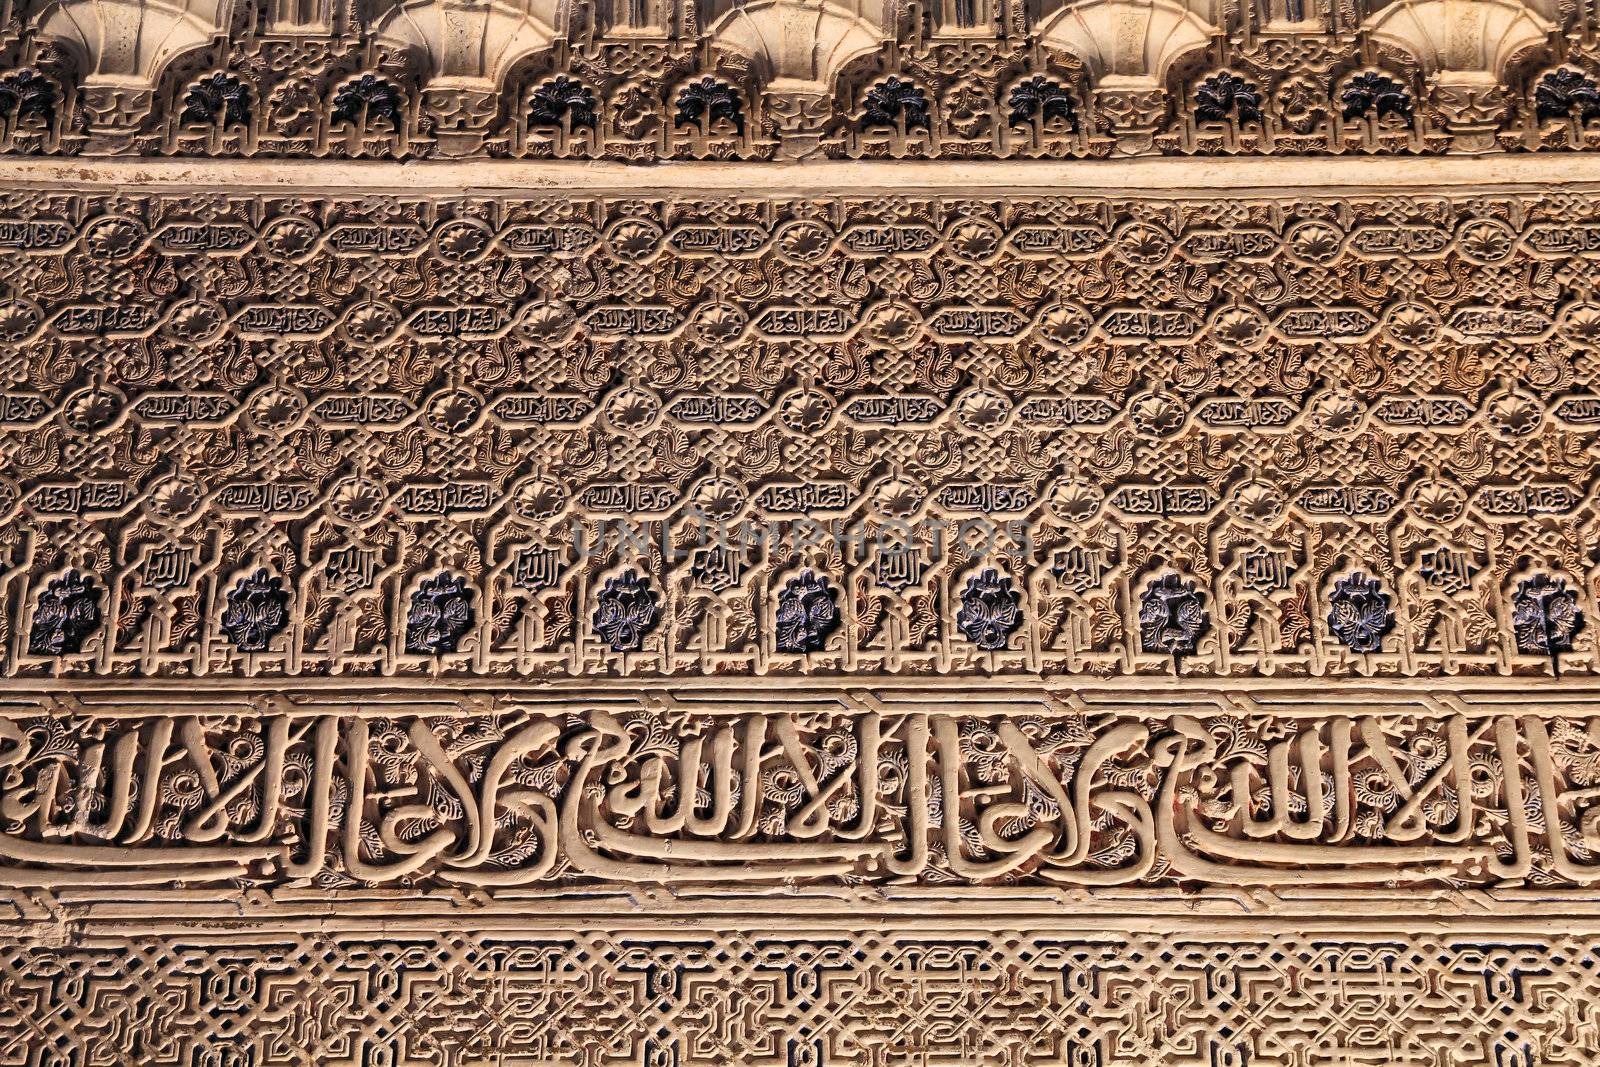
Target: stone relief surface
[
  {"x": 510, "y": 436},
  {"x": 883, "y": 788},
  {"x": 643, "y": 80},
  {"x": 537, "y": 612},
  {"x": 714, "y": 873},
  {"x": 789, "y": 996}
]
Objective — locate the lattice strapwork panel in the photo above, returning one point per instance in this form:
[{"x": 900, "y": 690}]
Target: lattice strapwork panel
[
  {"x": 503, "y": 436},
  {"x": 449, "y": 997}
]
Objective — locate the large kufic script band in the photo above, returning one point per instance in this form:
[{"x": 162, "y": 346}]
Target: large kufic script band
[{"x": 1048, "y": 788}]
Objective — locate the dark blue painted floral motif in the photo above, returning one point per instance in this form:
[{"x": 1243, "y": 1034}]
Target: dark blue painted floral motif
[
  {"x": 440, "y": 615},
  {"x": 1358, "y": 612},
  {"x": 894, "y": 101},
  {"x": 1043, "y": 99},
  {"x": 709, "y": 101},
  {"x": 1545, "y": 616},
  {"x": 26, "y": 96},
  {"x": 626, "y": 611},
  {"x": 562, "y": 98},
  {"x": 990, "y": 611},
  {"x": 1378, "y": 95},
  {"x": 366, "y": 100},
  {"x": 1172, "y": 616},
  {"x": 220, "y": 99},
  {"x": 1567, "y": 93},
  {"x": 808, "y": 611},
  {"x": 67, "y": 612},
  {"x": 258, "y": 610},
  {"x": 1227, "y": 96}
]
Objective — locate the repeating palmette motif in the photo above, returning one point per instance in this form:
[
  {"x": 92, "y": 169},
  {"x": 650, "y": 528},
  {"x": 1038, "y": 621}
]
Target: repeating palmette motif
[
  {"x": 907, "y": 793},
  {"x": 646, "y": 80},
  {"x": 301, "y": 435}
]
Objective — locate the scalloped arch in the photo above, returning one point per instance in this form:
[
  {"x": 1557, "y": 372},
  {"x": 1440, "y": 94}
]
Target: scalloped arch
[
  {"x": 795, "y": 44},
  {"x": 129, "y": 42},
  {"x": 472, "y": 45},
  {"x": 1468, "y": 39},
  {"x": 1127, "y": 41}
]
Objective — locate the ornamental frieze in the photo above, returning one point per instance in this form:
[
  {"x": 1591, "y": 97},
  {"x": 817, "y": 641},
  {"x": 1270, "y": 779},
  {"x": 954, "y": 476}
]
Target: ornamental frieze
[
  {"x": 898, "y": 787},
  {"x": 797, "y": 875},
  {"x": 444, "y": 990},
  {"x": 549, "y": 436},
  {"x": 648, "y": 80}
]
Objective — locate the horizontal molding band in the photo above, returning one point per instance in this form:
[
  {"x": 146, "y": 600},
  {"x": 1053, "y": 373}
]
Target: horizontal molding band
[
  {"x": 1521, "y": 690},
  {"x": 1187, "y": 176},
  {"x": 1236, "y": 911},
  {"x": 981, "y": 919},
  {"x": 862, "y": 797}
]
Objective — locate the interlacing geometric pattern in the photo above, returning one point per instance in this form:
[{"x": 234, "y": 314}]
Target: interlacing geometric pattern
[
  {"x": 1003, "y": 875},
  {"x": 1054, "y": 995},
  {"x": 313, "y": 435}
]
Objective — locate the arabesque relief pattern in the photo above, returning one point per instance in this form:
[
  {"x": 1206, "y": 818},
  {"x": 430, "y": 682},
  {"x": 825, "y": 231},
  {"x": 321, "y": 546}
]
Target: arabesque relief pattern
[
  {"x": 1050, "y": 788},
  {"x": 444, "y": 877},
  {"x": 645, "y": 80},
  {"x": 847, "y": 627},
  {"x": 507, "y": 436}
]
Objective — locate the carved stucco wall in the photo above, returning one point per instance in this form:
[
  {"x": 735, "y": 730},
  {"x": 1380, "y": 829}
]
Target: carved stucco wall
[
  {"x": 1109, "y": 586},
  {"x": 642, "y": 80}
]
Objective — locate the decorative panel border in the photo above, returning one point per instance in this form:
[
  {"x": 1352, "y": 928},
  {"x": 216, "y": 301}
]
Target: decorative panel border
[
  {"x": 1009, "y": 625},
  {"x": 507, "y": 435},
  {"x": 738, "y": 791},
  {"x": 792, "y": 996},
  {"x": 644, "y": 81}
]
